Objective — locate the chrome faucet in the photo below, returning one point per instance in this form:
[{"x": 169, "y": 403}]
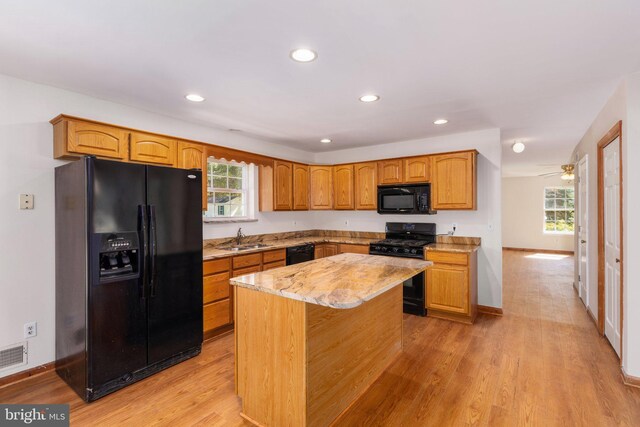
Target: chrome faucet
[{"x": 239, "y": 236}]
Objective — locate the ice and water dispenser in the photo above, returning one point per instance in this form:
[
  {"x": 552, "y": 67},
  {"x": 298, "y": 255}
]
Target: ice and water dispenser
[{"x": 119, "y": 256}]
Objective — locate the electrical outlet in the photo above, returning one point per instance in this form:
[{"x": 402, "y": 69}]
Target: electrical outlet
[
  {"x": 30, "y": 329},
  {"x": 26, "y": 201},
  {"x": 454, "y": 225},
  {"x": 346, "y": 222},
  {"x": 295, "y": 222}
]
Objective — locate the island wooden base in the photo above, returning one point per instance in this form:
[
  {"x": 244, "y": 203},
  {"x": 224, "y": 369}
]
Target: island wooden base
[{"x": 302, "y": 364}]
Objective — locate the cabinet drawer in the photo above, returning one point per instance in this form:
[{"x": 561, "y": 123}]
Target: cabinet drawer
[
  {"x": 354, "y": 249},
  {"x": 448, "y": 258},
  {"x": 216, "y": 314},
  {"x": 275, "y": 264},
  {"x": 248, "y": 270},
  {"x": 272, "y": 256},
  {"x": 215, "y": 287},
  {"x": 215, "y": 266},
  {"x": 243, "y": 261}
]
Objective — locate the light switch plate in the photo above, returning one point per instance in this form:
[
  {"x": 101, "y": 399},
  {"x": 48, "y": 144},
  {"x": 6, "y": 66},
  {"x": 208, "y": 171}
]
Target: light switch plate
[{"x": 26, "y": 201}]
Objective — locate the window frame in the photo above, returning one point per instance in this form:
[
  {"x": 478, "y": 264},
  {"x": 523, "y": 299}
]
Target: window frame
[
  {"x": 555, "y": 209},
  {"x": 246, "y": 192}
]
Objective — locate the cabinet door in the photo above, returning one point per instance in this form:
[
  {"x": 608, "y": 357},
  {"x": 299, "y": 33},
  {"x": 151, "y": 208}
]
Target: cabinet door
[
  {"x": 390, "y": 171},
  {"x": 331, "y": 249},
  {"x": 366, "y": 179},
  {"x": 97, "y": 140},
  {"x": 453, "y": 183},
  {"x": 343, "y": 194},
  {"x": 193, "y": 156},
  {"x": 318, "y": 251},
  {"x": 282, "y": 185},
  {"x": 448, "y": 288},
  {"x": 321, "y": 191},
  {"x": 300, "y": 187},
  {"x": 417, "y": 169},
  {"x": 154, "y": 149}
]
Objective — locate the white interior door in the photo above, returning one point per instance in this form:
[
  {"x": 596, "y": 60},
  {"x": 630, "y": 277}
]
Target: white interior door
[
  {"x": 583, "y": 230},
  {"x": 612, "y": 243}
]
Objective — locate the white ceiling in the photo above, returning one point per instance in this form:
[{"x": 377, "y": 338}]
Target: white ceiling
[{"x": 539, "y": 70}]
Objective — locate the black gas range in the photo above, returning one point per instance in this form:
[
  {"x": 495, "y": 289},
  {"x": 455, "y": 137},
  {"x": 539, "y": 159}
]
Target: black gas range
[{"x": 407, "y": 240}]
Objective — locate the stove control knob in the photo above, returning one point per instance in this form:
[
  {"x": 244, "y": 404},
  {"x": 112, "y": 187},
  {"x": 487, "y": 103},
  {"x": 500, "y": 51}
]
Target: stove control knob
[
  {"x": 413, "y": 251},
  {"x": 395, "y": 249}
]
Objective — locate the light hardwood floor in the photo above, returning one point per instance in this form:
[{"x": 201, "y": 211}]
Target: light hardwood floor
[{"x": 541, "y": 364}]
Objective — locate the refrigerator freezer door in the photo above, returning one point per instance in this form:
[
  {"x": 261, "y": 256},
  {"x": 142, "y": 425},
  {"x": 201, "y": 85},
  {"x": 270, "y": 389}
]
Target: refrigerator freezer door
[
  {"x": 174, "y": 198},
  {"x": 117, "y": 313}
]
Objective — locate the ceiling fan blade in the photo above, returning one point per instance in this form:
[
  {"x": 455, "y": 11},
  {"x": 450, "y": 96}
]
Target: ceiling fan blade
[{"x": 550, "y": 174}]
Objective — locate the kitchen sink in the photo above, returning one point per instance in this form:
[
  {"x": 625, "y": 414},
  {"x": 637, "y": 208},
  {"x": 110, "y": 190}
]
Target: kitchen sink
[{"x": 238, "y": 248}]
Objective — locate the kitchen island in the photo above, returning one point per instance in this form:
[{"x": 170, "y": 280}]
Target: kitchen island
[{"x": 312, "y": 337}]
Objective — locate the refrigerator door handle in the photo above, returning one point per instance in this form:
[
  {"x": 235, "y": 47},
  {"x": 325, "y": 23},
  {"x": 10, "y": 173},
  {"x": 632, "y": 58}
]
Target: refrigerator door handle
[
  {"x": 153, "y": 247},
  {"x": 142, "y": 231}
]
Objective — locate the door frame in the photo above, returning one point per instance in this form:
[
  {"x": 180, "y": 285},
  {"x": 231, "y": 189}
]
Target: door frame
[
  {"x": 614, "y": 132},
  {"x": 584, "y": 181}
]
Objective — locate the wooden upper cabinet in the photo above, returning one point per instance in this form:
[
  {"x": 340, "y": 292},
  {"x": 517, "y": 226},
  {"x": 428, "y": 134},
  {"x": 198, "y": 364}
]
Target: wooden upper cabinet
[
  {"x": 453, "y": 181},
  {"x": 417, "y": 169},
  {"x": 87, "y": 138},
  {"x": 390, "y": 171},
  {"x": 343, "y": 187},
  {"x": 321, "y": 187},
  {"x": 148, "y": 148},
  {"x": 282, "y": 186},
  {"x": 366, "y": 180},
  {"x": 300, "y": 187},
  {"x": 193, "y": 156}
]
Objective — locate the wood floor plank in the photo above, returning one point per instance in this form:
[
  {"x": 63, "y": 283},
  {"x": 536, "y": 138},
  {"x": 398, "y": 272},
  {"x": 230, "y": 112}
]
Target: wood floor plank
[{"x": 541, "y": 364}]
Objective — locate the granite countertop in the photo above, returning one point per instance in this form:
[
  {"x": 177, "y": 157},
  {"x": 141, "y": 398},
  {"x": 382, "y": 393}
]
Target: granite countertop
[
  {"x": 214, "y": 252},
  {"x": 341, "y": 281}
]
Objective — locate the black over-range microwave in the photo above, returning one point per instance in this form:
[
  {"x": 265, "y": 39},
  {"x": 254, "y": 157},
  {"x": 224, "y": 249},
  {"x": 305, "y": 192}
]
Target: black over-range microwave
[{"x": 405, "y": 199}]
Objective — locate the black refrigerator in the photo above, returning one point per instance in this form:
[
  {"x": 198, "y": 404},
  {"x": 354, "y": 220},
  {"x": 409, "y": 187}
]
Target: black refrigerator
[{"x": 128, "y": 272}]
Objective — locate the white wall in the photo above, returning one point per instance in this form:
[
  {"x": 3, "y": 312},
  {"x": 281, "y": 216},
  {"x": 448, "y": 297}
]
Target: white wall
[
  {"x": 484, "y": 222},
  {"x": 27, "y": 261},
  {"x": 623, "y": 105},
  {"x": 523, "y": 214},
  {"x": 631, "y": 212}
]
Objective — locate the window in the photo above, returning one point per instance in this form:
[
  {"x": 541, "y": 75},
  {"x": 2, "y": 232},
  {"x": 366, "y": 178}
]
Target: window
[
  {"x": 228, "y": 190},
  {"x": 559, "y": 210}
]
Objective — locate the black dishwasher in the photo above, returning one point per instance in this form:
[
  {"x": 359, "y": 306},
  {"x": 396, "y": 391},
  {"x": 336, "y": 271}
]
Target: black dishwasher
[{"x": 298, "y": 254}]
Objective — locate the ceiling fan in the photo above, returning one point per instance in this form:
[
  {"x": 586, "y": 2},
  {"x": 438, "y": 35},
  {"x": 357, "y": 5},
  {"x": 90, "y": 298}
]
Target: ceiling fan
[{"x": 566, "y": 174}]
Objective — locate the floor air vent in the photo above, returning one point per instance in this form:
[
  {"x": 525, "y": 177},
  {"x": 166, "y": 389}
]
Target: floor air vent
[{"x": 14, "y": 355}]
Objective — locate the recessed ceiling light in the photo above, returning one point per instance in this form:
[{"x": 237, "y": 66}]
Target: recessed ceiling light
[
  {"x": 194, "y": 97},
  {"x": 325, "y": 140},
  {"x": 517, "y": 147},
  {"x": 369, "y": 98},
  {"x": 303, "y": 55},
  {"x": 441, "y": 122}
]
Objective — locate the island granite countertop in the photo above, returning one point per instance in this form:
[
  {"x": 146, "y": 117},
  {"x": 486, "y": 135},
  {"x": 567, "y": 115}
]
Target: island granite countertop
[{"x": 341, "y": 281}]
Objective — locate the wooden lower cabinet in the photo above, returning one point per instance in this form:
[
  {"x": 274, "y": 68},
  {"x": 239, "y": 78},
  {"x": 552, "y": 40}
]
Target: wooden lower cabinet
[
  {"x": 344, "y": 248},
  {"x": 272, "y": 265},
  {"x": 216, "y": 296},
  {"x": 324, "y": 250},
  {"x": 217, "y": 292},
  {"x": 451, "y": 286},
  {"x": 216, "y": 315}
]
